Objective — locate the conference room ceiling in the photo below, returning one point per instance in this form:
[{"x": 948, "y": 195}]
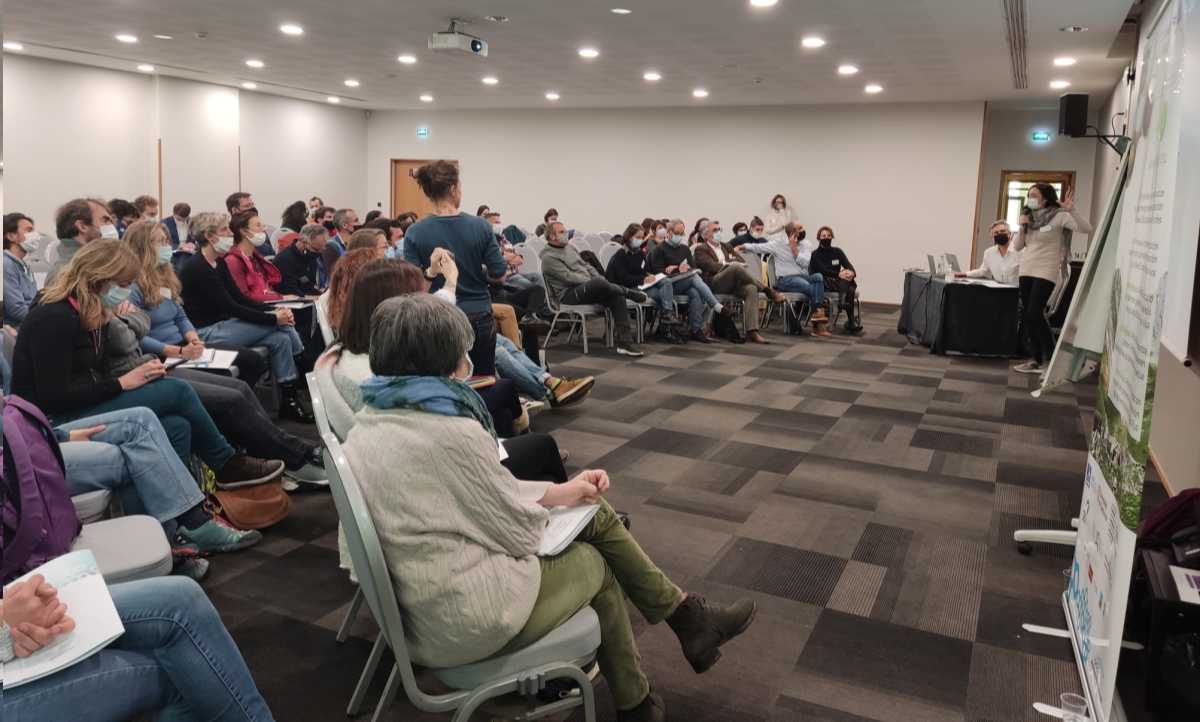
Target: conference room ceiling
[{"x": 917, "y": 50}]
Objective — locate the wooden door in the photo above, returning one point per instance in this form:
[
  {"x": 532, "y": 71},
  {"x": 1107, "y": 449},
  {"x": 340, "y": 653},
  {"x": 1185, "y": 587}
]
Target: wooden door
[{"x": 406, "y": 194}]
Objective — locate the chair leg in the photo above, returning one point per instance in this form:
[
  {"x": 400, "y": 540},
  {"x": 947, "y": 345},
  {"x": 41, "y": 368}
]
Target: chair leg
[
  {"x": 368, "y": 674},
  {"x": 389, "y": 695},
  {"x": 351, "y": 615},
  {"x": 583, "y": 333}
]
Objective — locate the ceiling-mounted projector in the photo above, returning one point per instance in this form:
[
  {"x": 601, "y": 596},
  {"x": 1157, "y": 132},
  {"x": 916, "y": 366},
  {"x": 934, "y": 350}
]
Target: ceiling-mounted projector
[{"x": 456, "y": 39}]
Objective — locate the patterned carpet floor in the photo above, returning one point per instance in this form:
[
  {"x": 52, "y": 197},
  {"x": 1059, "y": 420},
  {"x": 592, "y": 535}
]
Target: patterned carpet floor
[{"x": 863, "y": 491}]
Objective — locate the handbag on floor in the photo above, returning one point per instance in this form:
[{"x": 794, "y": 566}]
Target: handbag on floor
[
  {"x": 726, "y": 328},
  {"x": 251, "y": 507}
]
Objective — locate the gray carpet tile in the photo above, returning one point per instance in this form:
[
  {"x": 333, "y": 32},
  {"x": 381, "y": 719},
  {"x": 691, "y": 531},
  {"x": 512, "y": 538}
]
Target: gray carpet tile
[{"x": 861, "y": 490}]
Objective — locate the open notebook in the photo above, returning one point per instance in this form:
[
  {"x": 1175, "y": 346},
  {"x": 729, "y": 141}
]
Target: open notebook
[
  {"x": 563, "y": 526},
  {"x": 210, "y": 359}
]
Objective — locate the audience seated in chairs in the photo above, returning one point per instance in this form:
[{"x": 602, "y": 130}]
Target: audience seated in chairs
[
  {"x": 345, "y": 222},
  {"x": 60, "y": 364},
  {"x": 673, "y": 258},
  {"x": 370, "y": 238},
  {"x": 340, "y": 282},
  {"x": 20, "y": 239},
  {"x": 221, "y": 313},
  {"x": 124, "y": 214},
  {"x": 417, "y": 349},
  {"x": 177, "y": 226},
  {"x": 294, "y": 217},
  {"x": 575, "y": 282},
  {"x": 629, "y": 267},
  {"x": 792, "y": 268},
  {"x": 393, "y": 231},
  {"x": 724, "y": 272},
  {"x": 839, "y": 274},
  {"x": 175, "y": 657},
  {"x": 254, "y": 276},
  {"x": 78, "y": 223},
  {"x": 301, "y": 270}
]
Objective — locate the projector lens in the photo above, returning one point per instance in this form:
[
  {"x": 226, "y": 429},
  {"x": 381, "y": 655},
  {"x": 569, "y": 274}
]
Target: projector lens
[{"x": 476, "y": 45}]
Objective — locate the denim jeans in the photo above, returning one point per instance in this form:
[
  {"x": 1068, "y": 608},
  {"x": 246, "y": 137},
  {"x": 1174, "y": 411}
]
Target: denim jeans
[
  {"x": 282, "y": 341},
  {"x": 700, "y": 298},
  {"x": 483, "y": 351},
  {"x": 175, "y": 657},
  {"x": 515, "y": 366},
  {"x": 188, "y": 425},
  {"x": 663, "y": 293},
  {"x": 812, "y": 286},
  {"x": 133, "y": 458},
  {"x": 524, "y": 280}
]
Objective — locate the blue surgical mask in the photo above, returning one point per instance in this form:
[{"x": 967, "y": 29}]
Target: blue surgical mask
[
  {"x": 717, "y": 237},
  {"x": 397, "y": 251},
  {"x": 637, "y": 242},
  {"x": 676, "y": 240},
  {"x": 115, "y": 296},
  {"x": 164, "y": 254},
  {"x": 661, "y": 233}
]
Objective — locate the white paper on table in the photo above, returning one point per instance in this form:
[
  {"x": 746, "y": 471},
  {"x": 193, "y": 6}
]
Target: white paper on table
[
  {"x": 77, "y": 578},
  {"x": 210, "y": 358},
  {"x": 294, "y": 305},
  {"x": 1187, "y": 581},
  {"x": 563, "y": 526}
]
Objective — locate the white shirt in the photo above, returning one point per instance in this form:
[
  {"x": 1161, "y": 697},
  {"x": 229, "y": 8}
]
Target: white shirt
[
  {"x": 1004, "y": 269},
  {"x": 716, "y": 248}
]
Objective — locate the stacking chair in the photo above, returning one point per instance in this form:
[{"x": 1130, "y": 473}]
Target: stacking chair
[
  {"x": 529, "y": 252},
  {"x": 595, "y": 241},
  {"x": 537, "y": 245},
  {"x": 607, "y": 251},
  {"x": 576, "y": 316},
  {"x": 560, "y": 654},
  {"x": 790, "y": 315},
  {"x": 323, "y": 320},
  {"x": 128, "y": 548},
  {"x": 605, "y": 236},
  {"x": 581, "y": 244}
]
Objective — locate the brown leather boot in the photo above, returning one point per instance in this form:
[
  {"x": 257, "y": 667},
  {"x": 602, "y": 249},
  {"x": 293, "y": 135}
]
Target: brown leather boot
[
  {"x": 756, "y": 337},
  {"x": 775, "y": 296},
  {"x": 821, "y": 330},
  {"x": 700, "y": 336}
]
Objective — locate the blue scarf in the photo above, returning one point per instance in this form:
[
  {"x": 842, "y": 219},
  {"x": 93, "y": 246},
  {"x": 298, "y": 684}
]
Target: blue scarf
[{"x": 428, "y": 394}]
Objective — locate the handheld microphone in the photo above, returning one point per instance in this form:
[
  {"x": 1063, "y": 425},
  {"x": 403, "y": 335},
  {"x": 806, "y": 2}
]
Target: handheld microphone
[{"x": 1025, "y": 211}]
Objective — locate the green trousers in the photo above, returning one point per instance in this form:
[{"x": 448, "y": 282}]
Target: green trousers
[{"x": 593, "y": 570}]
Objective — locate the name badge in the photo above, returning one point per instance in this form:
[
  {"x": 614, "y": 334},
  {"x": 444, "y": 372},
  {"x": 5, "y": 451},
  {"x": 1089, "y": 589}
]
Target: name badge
[
  {"x": 836, "y": 262},
  {"x": 304, "y": 279},
  {"x": 1045, "y": 229}
]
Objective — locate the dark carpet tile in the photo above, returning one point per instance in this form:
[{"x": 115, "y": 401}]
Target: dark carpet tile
[
  {"x": 882, "y": 545},
  {"x": 1036, "y": 477},
  {"x": 753, "y": 456},
  {"x": 952, "y": 397},
  {"x": 676, "y": 443},
  {"x": 865, "y": 500},
  {"x": 277, "y": 583},
  {"x": 929, "y": 382},
  {"x": 797, "y": 574},
  {"x": 796, "y": 374},
  {"x": 883, "y": 416},
  {"x": 1000, "y": 619},
  {"x": 789, "y": 709},
  {"x": 870, "y": 367},
  {"x": 959, "y": 373},
  {"x": 798, "y": 364},
  {"x": 828, "y": 393},
  {"x": 699, "y": 380},
  {"x": 800, "y": 422},
  {"x": 609, "y": 392},
  {"x": 955, "y": 443}
]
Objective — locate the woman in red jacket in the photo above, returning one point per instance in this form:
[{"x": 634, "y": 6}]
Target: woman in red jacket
[{"x": 254, "y": 275}]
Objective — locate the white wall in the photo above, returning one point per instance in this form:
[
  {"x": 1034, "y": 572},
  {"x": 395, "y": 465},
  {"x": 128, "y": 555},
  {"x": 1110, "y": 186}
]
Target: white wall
[
  {"x": 1009, "y": 146},
  {"x": 76, "y": 130},
  {"x": 868, "y": 173}
]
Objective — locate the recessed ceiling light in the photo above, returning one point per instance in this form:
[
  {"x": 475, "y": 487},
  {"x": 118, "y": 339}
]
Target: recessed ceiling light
[
  {"x": 700, "y": 93},
  {"x": 164, "y": 37},
  {"x": 1073, "y": 29},
  {"x": 427, "y": 98},
  {"x": 551, "y": 96},
  {"x": 621, "y": 11},
  {"x": 874, "y": 88},
  {"x": 352, "y": 83},
  {"x": 332, "y": 99},
  {"x": 1059, "y": 84},
  {"x": 763, "y": 3},
  {"x": 490, "y": 80},
  {"x": 249, "y": 86},
  {"x": 589, "y": 53},
  {"x": 254, "y": 63},
  {"x": 652, "y": 76},
  {"x": 730, "y": 66},
  {"x": 847, "y": 70},
  {"x": 14, "y": 46},
  {"x": 1064, "y": 62},
  {"x": 291, "y": 30},
  {"x": 812, "y": 42},
  {"x": 127, "y": 38},
  {"x": 407, "y": 59},
  {"x": 497, "y": 18},
  {"x": 146, "y": 68}
]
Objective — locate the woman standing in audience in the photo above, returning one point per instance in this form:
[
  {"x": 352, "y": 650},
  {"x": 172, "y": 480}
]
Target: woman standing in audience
[
  {"x": 778, "y": 216},
  {"x": 630, "y": 267},
  {"x": 416, "y": 405},
  {"x": 231, "y": 402},
  {"x": 20, "y": 239},
  {"x": 61, "y": 365},
  {"x": 840, "y": 276},
  {"x": 221, "y": 313},
  {"x": 254, "y": 276},
  {"x": 1045, "y": 243}
]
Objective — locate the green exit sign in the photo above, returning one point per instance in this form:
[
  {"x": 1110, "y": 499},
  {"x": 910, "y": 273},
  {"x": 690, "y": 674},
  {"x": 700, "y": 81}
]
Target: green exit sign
[
  {"x": 422, "y": 132},
  {"x": 1041, "y": 135}
]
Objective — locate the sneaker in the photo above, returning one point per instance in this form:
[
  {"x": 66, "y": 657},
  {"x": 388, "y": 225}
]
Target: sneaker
[
  {"x": 531, "y": 322},
  {"x": 244, "y": 470},
  {"x": 288, "y": 485},
  {"x": 191, "y": 567},
  {"x": 568, "y": 392},
  {"x": 533, "y": 408},
  {"x": 630, "y": 349},
  {"x": 310, "y": 473},
  {"x": 1031, "y": 367},
  {"x": 635, "y": 295},
  {"x": 216, "y": 536},
  {"x": 702, "y": 628}
]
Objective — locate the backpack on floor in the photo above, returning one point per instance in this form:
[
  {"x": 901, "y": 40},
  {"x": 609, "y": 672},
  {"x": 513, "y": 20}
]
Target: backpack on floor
[
  {"x": 727, "y": 329},
  {"x": 673, "y": 333},
  {"x": 39, "y": 520},
  {"x": 251, "y": 507}
]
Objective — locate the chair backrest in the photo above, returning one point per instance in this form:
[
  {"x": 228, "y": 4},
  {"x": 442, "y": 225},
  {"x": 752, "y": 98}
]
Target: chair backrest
[
  {"x": 529, "y": 252},
  {"x": 51, "y": 252},
  {"x": 318, "y": 404},
  {"x": 581, "y": 244},
  {"x": 370, "y": 565},
  {"x": 595, "y": 241},
  {"x": 607, "y": 251},
  {"x": 754, "y": 263},
  {"x": 605, "y": 236},
  {"x": 323, "y": 319},
  {"x": 537, "y": 244},
  {"x": 772, "y": 279}
]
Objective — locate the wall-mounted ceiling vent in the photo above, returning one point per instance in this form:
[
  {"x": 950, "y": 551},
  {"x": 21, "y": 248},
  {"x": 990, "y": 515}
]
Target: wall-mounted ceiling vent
[{"x": 1016, "y": 20}]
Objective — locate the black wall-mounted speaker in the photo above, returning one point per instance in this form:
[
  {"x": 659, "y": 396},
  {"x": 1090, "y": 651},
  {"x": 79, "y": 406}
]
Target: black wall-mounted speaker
[{"x": 1072, "y": 114}]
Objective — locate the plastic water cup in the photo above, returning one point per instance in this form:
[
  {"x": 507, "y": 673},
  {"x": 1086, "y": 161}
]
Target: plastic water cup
[
  {"x": 1066, "y": 579},
  {"x": 1074, "y": 707}
]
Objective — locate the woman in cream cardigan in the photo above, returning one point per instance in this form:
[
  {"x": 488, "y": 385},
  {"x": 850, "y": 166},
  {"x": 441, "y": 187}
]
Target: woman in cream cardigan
[
  {"x": 457, "y": 508},
  {"x": 1044, "y": 241},
  {"x": 777, "y": 217}
]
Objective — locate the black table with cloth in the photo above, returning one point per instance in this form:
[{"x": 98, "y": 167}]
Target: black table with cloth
[{"x": 970, "y": 319}]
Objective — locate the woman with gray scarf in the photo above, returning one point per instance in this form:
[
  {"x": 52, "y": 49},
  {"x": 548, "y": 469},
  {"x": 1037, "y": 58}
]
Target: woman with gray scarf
[{"x": 1045, "y": 241}]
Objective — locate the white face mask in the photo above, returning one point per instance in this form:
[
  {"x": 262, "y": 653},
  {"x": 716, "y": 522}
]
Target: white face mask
[
  {"x": 756, "y": 235},
  {"x": 223, "y": 244},
  {"x": 496, "y": 228},
  {"x": 258, "y": 238},
  {"x": 1033, "y": 204},
  {"x": 32, "y": 240},
  {"x": 109, "y": 231},
  {"x": 150, "y": 217}
]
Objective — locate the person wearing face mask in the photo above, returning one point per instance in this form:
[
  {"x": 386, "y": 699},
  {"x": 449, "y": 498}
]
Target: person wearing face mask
[
  {"x": 724, "y": 272},
  {"x": 695, "y": 237},
  {"x": 345, "y": 222},
  {"x": 1000, "y": 262},
  {"x": 221, "y": 313},
  {"x": 300, "y": 264},
  {"x": 315, "y": 204},
  {"x": 575, "y": 282},
  {"x": 124, "y": 213},
  {"x": 1045, "y": 243},
  {"x": 840, "y": 276},
  {"x": 778, "y": 216},
  {"x": 793, "y": 273},
  {"x": 254, "y": 276},
  {"x": 674, "y": 259},
  {"x": 78, "y": 223},
  {"x": 550, "y": 217},
  {"x": 177, "y": 227},
  {"x": 20, "y": 287},
  {"x": 147, "y": 207},
  {"x": 61, "y": 365},
  {"x": 630, "y": 267},
  {"x": 656, "y": 235},
  {"x": 739, "y": 228}
]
